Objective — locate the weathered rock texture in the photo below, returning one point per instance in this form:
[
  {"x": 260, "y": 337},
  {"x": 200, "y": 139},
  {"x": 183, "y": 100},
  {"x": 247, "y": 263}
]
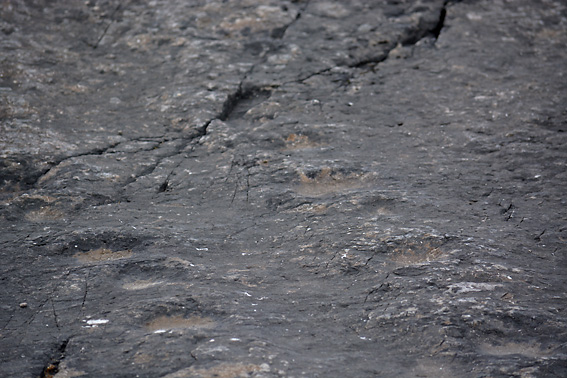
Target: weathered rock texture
[{"x": 283, "y": 188}]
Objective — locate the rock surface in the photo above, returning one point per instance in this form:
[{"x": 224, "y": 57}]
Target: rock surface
[{"x": 283, "y": 188}]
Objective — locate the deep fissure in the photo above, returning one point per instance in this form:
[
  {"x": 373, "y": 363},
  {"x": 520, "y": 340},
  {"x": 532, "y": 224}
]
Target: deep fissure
[
  {"x": 238, "y": 103},
  {"x": 52, "y": 368},
  {"x": 437, "y": 30}
]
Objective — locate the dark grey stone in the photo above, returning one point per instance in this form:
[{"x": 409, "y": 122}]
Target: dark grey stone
[{"x": 283, "y": 188}]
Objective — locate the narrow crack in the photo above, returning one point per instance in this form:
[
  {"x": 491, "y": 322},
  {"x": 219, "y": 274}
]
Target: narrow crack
[
  {"x": 441, "y": 23},
  {"x": 185, "y": 141},
  {"x": 538, "y": 238},
  {"x": 86, "y": 291},
  {"x": 163, "y": 187},
  {"x": 97, "y": 152},
  {"x": 370, "y": 259},
  {"x": 105, "y": 31},
  {"x": 332, "y": 258},
  {"x": 165, "y": 184},
  {"x": 411, "y": 39},
  {"x": 376, "y": 288},
  {"x": 428, "y": 30},
  {"x": 7, "y": 323},
  {"x": 39, "y": 309},
  {"x": 94, "y": 152},
  {"x": 235, "y": 191},
  {"x": 320, "y": 72},
  {"x": 230, "y": 103},
  {"x": 54, "y": 314},
  {"x": 248, "y": 186},
  {"x": 279, "y": 33},
  {"x": 242, "y": 93}
]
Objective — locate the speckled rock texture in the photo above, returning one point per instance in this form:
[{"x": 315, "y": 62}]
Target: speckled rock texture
[{"x": 273, "y": 188}]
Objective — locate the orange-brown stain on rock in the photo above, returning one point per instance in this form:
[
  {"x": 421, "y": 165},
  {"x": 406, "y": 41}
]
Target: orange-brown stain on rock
[
  {"x": 44, "y": 213},
  {"x": 327, "y": 181},
  {"x": 416, "y": 252},
  {"x": 102, "y": 254},
  {"x": 297, "y": 142},
  {"x": 223, "y": 370},
  {"x": 179, "y": 322}
]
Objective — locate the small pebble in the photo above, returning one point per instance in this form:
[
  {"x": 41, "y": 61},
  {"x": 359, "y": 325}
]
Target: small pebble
[{"x": 23, "y": 305}]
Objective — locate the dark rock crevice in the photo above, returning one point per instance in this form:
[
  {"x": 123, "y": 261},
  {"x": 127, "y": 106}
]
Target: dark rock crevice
[
  {"x": 240, "y": 102},
  {"x": 57, "y": 162},
  {"x": 441, "y": 23},
  {"x": 235, "y": 105},
  {"x": 428, "y": 27},
  {"x": 111, "y": 20},
  {"x": 307, "y": 77},
  {"x": 279, "y": 33},
  {"x": 52, "y": 367}
]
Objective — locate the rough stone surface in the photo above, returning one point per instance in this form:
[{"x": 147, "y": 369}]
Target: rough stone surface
[{"x": 283, "y": 188}]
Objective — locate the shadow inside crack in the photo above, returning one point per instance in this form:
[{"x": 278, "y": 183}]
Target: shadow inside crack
[
  {"x": 52, "y": 368},
  {"x": 243, "y": 100}
]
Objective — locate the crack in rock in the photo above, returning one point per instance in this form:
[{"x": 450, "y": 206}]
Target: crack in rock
[
  {"x": 427, "y": 28},
  {"x": 95, "y": 152},
  {"x": 50, "y": 370},
  {"x": 279, "y": 33}
]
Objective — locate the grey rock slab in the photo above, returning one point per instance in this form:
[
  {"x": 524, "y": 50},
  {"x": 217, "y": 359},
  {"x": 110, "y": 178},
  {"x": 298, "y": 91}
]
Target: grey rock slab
[{"x": 305, "y": 188}]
